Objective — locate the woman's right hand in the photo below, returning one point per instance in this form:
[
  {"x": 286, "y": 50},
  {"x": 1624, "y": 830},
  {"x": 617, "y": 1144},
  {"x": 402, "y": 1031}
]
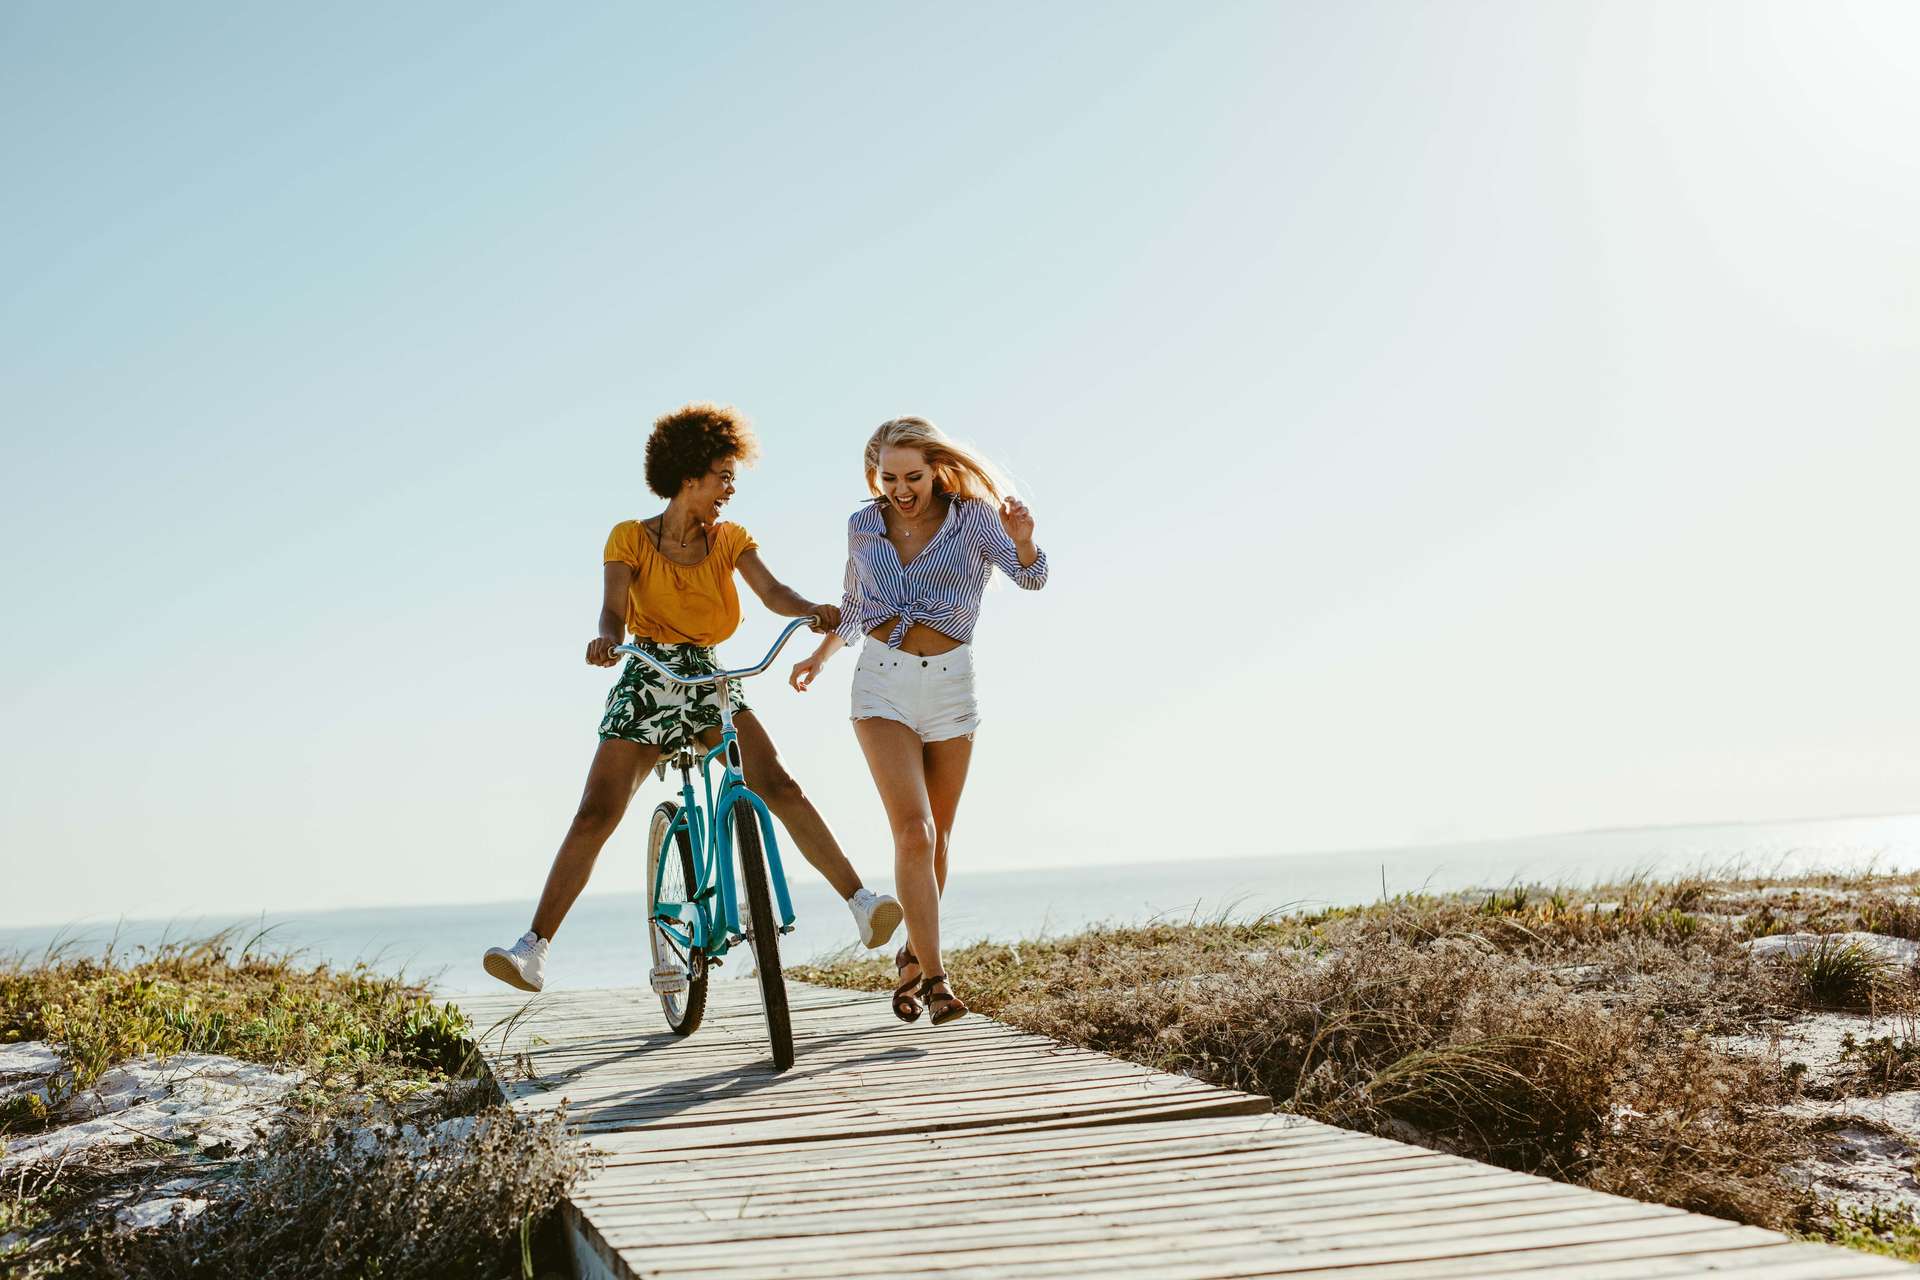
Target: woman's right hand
[
  {"x": 805, "y": 670},
  {"x": 600, "y": 652}
]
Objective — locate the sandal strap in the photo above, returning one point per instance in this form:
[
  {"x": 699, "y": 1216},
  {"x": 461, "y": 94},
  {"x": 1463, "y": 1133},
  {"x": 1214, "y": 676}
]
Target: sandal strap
[
  {"x": 905, "y": 1007},
  {"x": 932, "y": 980}
]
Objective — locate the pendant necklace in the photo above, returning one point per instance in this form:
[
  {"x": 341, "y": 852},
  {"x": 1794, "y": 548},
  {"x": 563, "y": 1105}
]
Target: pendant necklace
[{"x": 660, "y": 532}]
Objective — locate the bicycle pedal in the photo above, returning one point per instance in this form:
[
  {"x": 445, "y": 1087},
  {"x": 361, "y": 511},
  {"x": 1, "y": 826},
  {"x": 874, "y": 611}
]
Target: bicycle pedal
[
  {"x": 786, "y": 928},
  {"x": 668, "y": 980}
]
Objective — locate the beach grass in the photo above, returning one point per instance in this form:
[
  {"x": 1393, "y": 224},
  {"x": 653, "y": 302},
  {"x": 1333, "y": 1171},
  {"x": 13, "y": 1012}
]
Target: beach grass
[
  {"x": 226, "y": 994},
  {"x": 1573, "y": 1033},
  {"x": 392, "y": 1155}
]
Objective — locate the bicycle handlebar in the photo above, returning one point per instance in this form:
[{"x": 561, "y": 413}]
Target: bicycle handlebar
[{"x": 711, "y": 676}]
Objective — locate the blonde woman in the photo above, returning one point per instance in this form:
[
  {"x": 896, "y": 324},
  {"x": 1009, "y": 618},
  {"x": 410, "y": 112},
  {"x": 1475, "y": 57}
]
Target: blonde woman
[{"x": 918, "y": 559}]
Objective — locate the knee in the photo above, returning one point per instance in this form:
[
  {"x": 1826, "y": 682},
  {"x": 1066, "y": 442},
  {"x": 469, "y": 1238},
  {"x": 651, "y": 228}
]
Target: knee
[
  {"x": 777, "y": 787},
  {"x": 599, "y": 814},
  {"x": 913, "y": 838}
]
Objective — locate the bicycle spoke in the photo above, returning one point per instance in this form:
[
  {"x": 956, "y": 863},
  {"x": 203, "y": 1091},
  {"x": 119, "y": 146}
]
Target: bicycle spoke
[{"x": 670, "y": 948}]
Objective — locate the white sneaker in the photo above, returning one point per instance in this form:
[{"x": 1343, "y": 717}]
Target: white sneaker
[
  {"x": 876, "y": 915},
  {"x": 522, "y": 965}
]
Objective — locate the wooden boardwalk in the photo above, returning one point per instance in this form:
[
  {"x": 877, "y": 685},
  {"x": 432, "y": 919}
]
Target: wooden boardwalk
[{"x": 975, "y": 1150}]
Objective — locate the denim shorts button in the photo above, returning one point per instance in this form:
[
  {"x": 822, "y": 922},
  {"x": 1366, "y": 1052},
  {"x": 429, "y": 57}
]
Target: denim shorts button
[{"x": 923, "y": 662}]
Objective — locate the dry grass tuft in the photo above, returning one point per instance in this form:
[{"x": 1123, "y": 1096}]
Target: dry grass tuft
[
  {"x": 463, "y": 1203},
  {"x": 1561, "y": 1032},
  {"x": 1843, "y": 974}
]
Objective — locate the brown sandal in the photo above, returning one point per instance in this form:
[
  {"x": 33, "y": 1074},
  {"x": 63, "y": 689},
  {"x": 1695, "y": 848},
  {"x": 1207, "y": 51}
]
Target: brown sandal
[
  {"x": 905, "y": 1007},
  {"x": 941, "y": 1008}
]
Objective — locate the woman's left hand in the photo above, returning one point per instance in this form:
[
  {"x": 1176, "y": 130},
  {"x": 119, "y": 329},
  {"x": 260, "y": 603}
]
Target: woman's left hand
[
  {"x": 805, "y": 670},
  {"x": 1016, "y": 520}
]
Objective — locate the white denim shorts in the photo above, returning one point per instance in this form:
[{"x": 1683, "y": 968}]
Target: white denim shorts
[{"x": 931, "y": 696}]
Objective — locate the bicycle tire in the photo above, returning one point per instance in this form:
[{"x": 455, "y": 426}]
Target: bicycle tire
[
  {"x": 685, "y": 1011},
  {"x": 763, "y": 931}
]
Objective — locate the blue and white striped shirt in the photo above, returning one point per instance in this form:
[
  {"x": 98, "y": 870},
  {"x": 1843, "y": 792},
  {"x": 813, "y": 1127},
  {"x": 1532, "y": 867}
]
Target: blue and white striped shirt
[{"x": 941, "y": 586}]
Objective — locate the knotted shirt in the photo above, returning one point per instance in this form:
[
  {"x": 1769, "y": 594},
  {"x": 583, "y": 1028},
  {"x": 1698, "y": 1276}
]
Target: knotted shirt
[{"x": 941, "y": 586}]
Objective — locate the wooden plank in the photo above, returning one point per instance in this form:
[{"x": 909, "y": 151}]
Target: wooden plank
[
  {"x": 958, "y": 1186},
  {"x": 982, "y": 1145},
  {"x": 987, "y": 1142},
  {"x": 1360, "y": 1200},
  {"x": 1204, "y": 1251},
  {"x": 589, "y": 1082},
  {"x": 1035, "y": 1176},
  {"x": 1100, "y": 1111},
  {"x": 1270, "y": 1209},
  {"x": 847, "y": 1228},
  {"x": 1782, "y": 1261},
  {"x": 921, "y": 1088}
]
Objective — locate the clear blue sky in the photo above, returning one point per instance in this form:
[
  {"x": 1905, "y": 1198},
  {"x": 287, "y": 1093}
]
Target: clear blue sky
[{"x": 1446, "y": 420}]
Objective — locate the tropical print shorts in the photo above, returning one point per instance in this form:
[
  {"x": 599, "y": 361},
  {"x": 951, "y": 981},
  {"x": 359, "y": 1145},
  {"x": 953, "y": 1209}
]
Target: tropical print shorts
[{"x": 645, "y": 707}]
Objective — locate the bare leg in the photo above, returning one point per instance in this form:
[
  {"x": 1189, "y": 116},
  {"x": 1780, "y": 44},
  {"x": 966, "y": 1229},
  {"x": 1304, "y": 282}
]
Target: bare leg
[
  {"x": 945, "y": 764},
  {"x": 894, "y": 755},
  {"x": 615, "y": 775},
  {"x": 946, "y": 767},
  {"x": 769, "y": 779}
]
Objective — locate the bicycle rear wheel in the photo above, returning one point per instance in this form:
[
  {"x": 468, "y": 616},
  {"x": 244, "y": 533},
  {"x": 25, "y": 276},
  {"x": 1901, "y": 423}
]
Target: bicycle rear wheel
[
  {"x": 763, "y": 931},
  {"x": 685, "y": 1009}
]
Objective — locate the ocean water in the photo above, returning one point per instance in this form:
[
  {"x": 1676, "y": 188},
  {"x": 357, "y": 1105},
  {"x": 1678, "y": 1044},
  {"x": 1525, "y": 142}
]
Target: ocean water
[{"x": 603, "y": 944}]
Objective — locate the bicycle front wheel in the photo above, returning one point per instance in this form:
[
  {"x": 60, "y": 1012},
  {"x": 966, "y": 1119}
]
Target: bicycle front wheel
[
  {"x": 763, "y": 931},
  {"x": 684, "y": 1009}
]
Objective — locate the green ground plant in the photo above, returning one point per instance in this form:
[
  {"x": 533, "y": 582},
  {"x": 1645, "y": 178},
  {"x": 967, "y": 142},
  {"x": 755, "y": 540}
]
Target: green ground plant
[
  {"x": 355, "y": 1030},
  {"x": 376, "y": 1052},
  {"x": 1884, "y": 1064},
  {"x": 1891, "y": 1235}
]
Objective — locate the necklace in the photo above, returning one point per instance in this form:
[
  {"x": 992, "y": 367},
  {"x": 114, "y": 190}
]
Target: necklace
[
  {"x": 660, "y": 530},
  {"x": 908, "y": 531}
]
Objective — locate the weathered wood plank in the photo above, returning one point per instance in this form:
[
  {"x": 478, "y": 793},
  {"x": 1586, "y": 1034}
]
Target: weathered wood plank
[
  {"x": 797, "y": 1186},
  {"x": 1215, "y": 1250},
  {"x": 1403, "y": 1176},
  {"x": 854, "y": 1227}
]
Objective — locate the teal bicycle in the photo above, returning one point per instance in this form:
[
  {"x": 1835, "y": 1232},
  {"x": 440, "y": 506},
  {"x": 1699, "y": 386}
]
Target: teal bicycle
[{"x": 693, "y": 897}]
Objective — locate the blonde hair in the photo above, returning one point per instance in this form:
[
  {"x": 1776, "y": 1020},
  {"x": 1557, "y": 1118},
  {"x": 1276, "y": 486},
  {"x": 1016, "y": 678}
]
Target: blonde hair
[{"x": 957, "y": 470}]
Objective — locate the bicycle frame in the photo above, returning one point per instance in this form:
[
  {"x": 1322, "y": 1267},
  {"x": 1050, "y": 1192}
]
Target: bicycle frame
[{"x": 710, "y": 920}]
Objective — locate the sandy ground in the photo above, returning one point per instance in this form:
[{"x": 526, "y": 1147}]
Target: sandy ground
[
  {"x": 216, "y": 1105},
  {"x": 1874, "y": 1144}
]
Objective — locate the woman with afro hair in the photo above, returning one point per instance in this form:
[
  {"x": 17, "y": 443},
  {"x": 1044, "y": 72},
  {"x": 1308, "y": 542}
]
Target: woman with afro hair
[{"x": 669, "y": 584}]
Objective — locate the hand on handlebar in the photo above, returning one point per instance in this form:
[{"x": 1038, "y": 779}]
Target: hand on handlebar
[
  {"x": 826, "y": 618},
  {"x": 710, "y": 677},
  {"x": 600, "y": 652}
]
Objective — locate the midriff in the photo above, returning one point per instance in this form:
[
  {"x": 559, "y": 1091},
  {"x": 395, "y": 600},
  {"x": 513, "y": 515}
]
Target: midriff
[{"x": 921, "y": 640}]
